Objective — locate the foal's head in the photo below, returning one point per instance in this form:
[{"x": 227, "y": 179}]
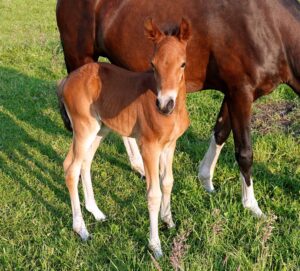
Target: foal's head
[{"x": 168, "y": 62}]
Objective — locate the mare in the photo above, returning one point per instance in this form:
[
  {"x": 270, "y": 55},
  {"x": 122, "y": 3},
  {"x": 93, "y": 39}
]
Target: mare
[
  {"x": 150, "y": 106},
  {"x": 242, "y": 48}
]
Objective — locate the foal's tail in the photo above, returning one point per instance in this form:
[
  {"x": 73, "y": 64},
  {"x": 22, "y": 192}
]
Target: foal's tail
[{"x": 62, "y": 108}]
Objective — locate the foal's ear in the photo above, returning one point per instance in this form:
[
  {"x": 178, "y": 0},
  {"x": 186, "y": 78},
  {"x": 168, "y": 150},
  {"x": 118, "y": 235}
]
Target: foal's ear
[
  {"x": 151, "y": 31},
  {"x": 184, "y": 30}
]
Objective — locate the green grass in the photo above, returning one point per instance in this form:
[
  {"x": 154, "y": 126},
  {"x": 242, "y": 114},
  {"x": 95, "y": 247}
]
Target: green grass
[{"x": 36, "y": 224}]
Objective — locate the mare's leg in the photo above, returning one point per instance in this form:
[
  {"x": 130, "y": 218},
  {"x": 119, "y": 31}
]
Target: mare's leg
[
  {"x": 134, "y": 155},
  {"x": 221, "y": 132},
  {"x": 240, "y": 117},
  {"x": 90, "y": 202},
  {"x": 150, "y": 154},
  {"x": 76, "y": 23},
  {"x": 166, "y": 176},
  {"x": 81, "y": 144}
]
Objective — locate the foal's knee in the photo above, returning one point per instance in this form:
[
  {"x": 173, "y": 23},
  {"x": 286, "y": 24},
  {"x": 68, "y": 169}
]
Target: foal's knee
[
  {"x": 154, "y": 199},
  {"x": 167, "y": 185},
  {"x": 72, "y": 175}
]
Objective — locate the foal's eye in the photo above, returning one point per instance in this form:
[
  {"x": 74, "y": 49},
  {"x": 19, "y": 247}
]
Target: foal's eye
[{"x": 183, "y": 65}]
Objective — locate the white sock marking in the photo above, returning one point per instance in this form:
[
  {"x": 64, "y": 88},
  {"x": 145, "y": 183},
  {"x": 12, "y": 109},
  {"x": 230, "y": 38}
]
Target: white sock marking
[
  {"x": 208, "y": 164},
  {"x": 134, "y": 155},
  {"x": 248, "y": 198}
]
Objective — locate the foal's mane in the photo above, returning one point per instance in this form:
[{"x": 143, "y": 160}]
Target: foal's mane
[
  {"x": 293, "y": 6},
  {"x": 171, "y": 30}
]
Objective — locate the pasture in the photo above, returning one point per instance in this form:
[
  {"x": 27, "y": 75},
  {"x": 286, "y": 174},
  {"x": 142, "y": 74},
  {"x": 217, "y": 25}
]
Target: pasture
[{"x": 213, "y": 232}]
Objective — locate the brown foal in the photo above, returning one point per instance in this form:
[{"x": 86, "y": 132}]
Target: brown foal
[{"x": 148, "y": 106}]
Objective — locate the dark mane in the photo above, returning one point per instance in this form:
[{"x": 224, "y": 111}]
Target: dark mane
[{"x": 172, "y": 30}]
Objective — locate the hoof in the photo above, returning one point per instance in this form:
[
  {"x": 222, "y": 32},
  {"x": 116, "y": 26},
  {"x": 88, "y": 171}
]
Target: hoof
[
  {"x": 205, "y": 179},
  {"x": 101, "y": 218},
  {"x": 169, "y": 222},
  {"x": 143, "y": 177},
  {"x": 138, "y": 168},
  {"x": 171, "y": 225},
  {"x": 256, "y": 211},
  {"x": 206, "y": 183},
  {"x": 83, "y": 233},
  {"x": 156, "y": 249},
  {"x": 210, "y": 189},
  {"x": 95, "y": 211}
]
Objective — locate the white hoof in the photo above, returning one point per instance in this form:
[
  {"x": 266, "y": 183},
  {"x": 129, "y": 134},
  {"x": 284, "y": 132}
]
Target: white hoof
[
  {"x": 84, "y": 234},
  {"x": 82, "y": 231},
  {"x": 169, "y": 222},
  {"x": 138, "y": 166},
  {"x": 254, "y": 209},
  {"x": 156, "y": 249},
  {"x": 206, "y": 181},
  {"x": 99, "y": 216}
]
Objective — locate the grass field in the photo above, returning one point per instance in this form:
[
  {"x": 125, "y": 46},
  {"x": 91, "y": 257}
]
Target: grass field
[{"x": 213, "y": 231}]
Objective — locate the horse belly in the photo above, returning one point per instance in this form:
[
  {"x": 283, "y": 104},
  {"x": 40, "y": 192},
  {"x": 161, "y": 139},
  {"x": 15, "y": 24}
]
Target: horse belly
[{"x": 123, "y": 125}]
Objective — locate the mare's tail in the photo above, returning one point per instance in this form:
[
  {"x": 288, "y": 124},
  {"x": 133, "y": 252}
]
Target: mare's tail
[{"x": 62, "y": 108}]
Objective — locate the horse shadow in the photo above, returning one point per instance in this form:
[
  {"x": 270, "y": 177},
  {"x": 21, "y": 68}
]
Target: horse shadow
[
  {"x": 26, "y": 116},
  {"x": 23, "y": 101}
]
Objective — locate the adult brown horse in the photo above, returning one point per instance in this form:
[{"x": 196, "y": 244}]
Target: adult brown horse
[{"x": 242, "y": 48}]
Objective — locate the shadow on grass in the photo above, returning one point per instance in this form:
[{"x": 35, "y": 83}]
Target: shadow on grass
[
  {"x": 26, "y": 104},
  {"x": 23, "y": 100}
]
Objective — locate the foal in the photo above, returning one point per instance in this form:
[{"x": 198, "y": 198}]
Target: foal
[{"x": 148, "y": 106}]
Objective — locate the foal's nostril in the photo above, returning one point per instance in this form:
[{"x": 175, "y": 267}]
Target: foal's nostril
[
  {"x": 158, "y": 103},
  {"x": 170, "y": 105}
]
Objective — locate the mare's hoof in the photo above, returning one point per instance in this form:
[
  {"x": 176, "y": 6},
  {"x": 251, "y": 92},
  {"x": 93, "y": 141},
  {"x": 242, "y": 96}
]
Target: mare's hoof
[
  {"x": 256, "y": 211},
  {"x": 205, "y": 180},
  {"x": 210, "y": 189}
]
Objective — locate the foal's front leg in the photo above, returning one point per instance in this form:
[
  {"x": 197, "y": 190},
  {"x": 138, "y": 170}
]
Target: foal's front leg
[
  {"x": 240, "y": 117},
  {"x": 166, "y": 176},
  {"x": 134, "y": 155},
  {"x": 150, "y": 154}
]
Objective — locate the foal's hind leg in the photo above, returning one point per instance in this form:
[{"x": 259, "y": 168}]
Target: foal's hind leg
[
  {"x": 221, "y": 132},
  {"x": 90, "y": 203},
  {"x": 166, "y": 175},
  {"x": 134, "y": 155},
  {"x": 81, "y": 145}
]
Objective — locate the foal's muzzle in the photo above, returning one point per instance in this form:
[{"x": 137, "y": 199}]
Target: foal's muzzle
[{"x": 166, "y": 108}]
